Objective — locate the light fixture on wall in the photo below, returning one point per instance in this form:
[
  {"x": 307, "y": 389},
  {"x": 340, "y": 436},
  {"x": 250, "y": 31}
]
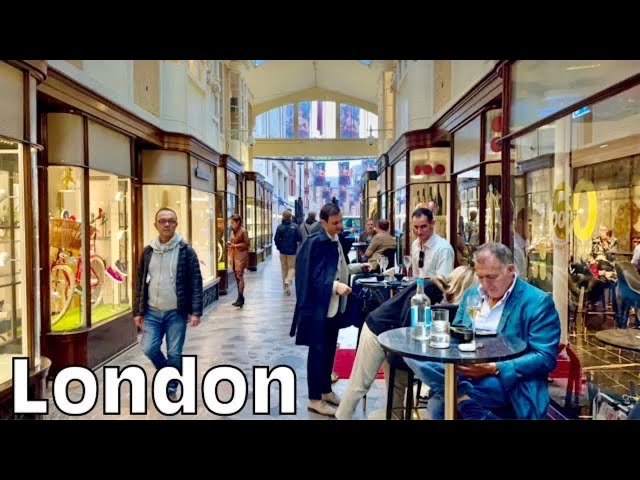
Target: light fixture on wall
[{"x": 371, "y": 139}]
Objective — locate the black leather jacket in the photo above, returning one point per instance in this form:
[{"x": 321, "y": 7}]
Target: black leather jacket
[{"x": 188, "y": 282}]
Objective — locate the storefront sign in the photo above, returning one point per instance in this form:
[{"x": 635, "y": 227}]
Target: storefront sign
[
  {"x": 584, "y": 232},
  {"x": 580, "y": 112}
]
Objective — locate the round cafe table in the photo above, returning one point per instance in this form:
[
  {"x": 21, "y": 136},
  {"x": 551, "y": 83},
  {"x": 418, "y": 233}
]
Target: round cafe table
[
  {"x": 496, "y": 348},
  {"x": 628, "y": 338}
]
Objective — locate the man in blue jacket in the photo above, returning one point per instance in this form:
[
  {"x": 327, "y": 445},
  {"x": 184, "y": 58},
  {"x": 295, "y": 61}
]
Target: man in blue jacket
[
  {"x": 322, "y": 306},
  {"x": 511, "y": 307},
  {"x": 286, "y": 239}
]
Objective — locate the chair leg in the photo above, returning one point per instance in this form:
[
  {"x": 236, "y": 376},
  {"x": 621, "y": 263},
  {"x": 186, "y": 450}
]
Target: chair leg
[
  {"x": 408, "y": 410},
  {"x": 392, "y": 374}
]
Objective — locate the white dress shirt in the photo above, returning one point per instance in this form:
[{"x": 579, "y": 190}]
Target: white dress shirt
[
  {"x": 342, "y": 276},
  {"x": 489, "y": 318},
  {"x": 438, "y": 257}
]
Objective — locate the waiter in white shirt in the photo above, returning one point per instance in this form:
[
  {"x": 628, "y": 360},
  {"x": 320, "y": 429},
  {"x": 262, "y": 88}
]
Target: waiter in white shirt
[{"x": 430, "y": 253}]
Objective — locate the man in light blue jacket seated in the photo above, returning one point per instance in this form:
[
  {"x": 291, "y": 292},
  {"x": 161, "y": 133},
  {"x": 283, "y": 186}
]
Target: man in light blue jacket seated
[{"x": 514, "y": 388}]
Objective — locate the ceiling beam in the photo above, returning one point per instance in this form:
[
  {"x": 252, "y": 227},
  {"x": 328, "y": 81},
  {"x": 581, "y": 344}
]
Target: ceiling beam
[{"x": 315, "y": 93}]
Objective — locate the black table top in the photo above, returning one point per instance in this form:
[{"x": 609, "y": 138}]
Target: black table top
[
  {"x": 496, "y": 348},
  {"x": 623, "y": 338}
]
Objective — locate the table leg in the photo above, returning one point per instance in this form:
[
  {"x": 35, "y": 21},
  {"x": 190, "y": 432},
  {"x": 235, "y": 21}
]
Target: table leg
[{"x": 450, "y": 397}]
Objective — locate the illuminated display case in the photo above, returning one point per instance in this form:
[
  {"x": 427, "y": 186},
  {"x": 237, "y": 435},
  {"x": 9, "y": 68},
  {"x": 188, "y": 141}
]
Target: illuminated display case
[
  {"x": 257, "y": 217},
  {"x": 185, "y": 183},
  {"x": 20, "y": 258},
  {"x": 87, "y": 219}
]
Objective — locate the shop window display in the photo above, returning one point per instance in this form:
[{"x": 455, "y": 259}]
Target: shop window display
[
  {"x": 12, "y": 290},
  {"x": 110, "y": 234},
  {"x": 202, "y": 212},
  {"x": 108, "y": 286},
  {"x": 66, "y": 244},
  {"x": 429, "y": 173},
  {"x": 468, "y": 225}
]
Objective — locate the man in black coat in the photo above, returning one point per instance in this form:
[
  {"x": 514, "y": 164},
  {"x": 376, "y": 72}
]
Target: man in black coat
[
  {"x": 287, "y": 238},
  {"x": 322, "y": 306}
]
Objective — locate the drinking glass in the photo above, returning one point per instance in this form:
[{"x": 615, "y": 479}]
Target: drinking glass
[
  {"x": 406, "y": 260},
  {"x": 439, "y": 329},
  {"x": 473, "y": 305},
  {"x": 383, "y": 261}
]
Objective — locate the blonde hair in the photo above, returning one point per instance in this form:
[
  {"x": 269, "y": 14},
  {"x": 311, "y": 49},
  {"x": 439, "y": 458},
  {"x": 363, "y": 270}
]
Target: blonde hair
[{"x": 454, "y": 285}]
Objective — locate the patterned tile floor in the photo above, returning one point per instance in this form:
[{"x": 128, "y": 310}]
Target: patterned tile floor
[
  {"x": 608, "y": 368},
  {"x": 256, "y": 335}
]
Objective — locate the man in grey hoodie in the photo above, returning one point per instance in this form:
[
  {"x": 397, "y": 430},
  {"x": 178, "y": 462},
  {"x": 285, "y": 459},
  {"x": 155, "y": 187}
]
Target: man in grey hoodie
[{"x": 168, "y": 294}]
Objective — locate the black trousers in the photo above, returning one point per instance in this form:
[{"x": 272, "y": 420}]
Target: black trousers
[{"x": 320, "y": 362}]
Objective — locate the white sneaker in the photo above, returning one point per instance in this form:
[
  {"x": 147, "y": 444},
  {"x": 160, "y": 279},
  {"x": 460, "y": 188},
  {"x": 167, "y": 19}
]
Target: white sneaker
[
  {"x": 321, "y": 407},
  {"x": 331, "y": 398}
]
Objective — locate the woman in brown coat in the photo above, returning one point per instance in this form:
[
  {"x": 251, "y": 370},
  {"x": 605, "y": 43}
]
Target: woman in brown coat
[{"x": 238, "y": 255}]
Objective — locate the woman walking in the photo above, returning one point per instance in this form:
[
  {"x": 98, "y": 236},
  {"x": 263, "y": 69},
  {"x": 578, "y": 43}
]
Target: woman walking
[{"x": 238, "y": 255}]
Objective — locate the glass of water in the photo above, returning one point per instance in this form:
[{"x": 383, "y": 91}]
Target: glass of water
[{"x": 439, "y": 337}]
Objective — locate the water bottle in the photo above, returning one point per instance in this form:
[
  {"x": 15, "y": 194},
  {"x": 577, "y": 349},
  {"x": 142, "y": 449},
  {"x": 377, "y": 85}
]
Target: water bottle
[{"x": 420, "y": 313}]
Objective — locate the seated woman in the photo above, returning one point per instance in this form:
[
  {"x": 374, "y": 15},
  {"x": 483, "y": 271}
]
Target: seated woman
[{"x": 394, "y": 313}]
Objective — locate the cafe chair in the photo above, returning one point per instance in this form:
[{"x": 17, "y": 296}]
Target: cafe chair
[
  {"x": 411, "y": 404},
  {"x": 627, "y": 291}
]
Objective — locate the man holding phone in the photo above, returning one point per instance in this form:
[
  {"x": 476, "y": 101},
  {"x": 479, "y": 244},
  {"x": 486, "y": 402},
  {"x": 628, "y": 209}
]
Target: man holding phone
[{"x": 322, "y": 306}]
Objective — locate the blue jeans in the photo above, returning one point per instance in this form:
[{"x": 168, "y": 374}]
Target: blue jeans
[
  {"x": 156, "y": 326},
  {"x": 487, "y": 391}
]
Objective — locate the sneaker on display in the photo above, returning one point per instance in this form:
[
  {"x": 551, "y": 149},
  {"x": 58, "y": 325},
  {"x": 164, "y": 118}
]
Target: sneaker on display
[{"x": 115, "y": 276}]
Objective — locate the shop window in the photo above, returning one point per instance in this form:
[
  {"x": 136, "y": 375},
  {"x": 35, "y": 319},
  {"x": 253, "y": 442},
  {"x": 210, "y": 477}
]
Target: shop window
[
  {"x": 221, "y": 263},
  {"x": 109, "y": 245},
  {"x": 493, "y": 202},
  {"x": 66, "y": 247},
  {"x": 107, "y": 288},
  {"x": 13, "y": 322},
  {"x": 468, "y": 209},
  {"x": 400, "y": 217},
  {"x": 429, "y": 175},
  {"x": 543, "y": 87},
  {"x": 202, "y": 232}
]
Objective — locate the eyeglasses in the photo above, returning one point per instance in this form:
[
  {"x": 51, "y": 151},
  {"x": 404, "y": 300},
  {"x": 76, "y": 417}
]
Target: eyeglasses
[
  {"x": 164, "y": 222},
  {"x": 421, "y": 259}
]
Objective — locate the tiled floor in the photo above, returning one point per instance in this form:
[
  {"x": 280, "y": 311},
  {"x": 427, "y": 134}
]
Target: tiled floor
[
  {"x": 605, "y": 367},
  {"x": 256, "y": 335}
]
